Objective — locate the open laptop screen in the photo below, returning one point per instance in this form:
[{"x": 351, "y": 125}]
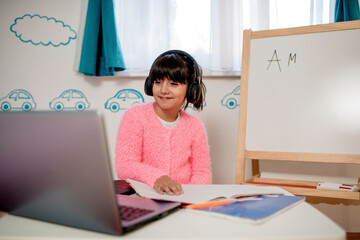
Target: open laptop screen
[{"x": 54, "y": 167}]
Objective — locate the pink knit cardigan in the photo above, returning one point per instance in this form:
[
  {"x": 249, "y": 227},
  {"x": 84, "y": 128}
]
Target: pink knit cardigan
[{"x": 146, "y": 150}]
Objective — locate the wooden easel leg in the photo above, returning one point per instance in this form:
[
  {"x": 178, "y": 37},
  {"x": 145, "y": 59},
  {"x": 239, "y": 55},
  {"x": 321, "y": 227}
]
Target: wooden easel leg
[{"x": 255, "y": 168}]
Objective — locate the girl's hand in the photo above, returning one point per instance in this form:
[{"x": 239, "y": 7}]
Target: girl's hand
[{"x": 168, "y": 185}]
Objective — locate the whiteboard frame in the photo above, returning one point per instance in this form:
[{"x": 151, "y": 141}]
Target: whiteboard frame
[{"x": 295, "y": 187}]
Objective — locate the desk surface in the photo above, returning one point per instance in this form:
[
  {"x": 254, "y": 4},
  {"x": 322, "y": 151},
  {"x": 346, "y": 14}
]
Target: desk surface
[{"x": 301, "y": 222}]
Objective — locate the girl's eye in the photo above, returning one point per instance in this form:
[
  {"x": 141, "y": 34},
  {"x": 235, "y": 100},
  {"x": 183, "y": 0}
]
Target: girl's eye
[
  {"x": 157, "y": 82},
  {"x": 174, "y": 83}
]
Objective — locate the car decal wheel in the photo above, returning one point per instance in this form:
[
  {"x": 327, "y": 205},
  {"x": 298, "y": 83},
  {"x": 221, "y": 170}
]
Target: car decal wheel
[
  {"x": 26, "y": 106},
  {"x": 5, "y": 106},
  {"x": 80, "y": 106},
  {"x": 114, "y": 107},
  {"x": 231, "y": 103},
  {"x": 59, "y": 106}
]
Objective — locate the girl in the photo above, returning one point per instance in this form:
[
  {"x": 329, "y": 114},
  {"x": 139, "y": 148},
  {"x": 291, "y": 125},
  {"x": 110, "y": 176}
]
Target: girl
[{"x": 158, "y": 143}]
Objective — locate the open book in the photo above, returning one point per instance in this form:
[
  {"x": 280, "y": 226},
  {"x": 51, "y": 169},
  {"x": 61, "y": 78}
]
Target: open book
[
  {"x": 203, "y": 193},
  {"x": 254, "y": 210}
]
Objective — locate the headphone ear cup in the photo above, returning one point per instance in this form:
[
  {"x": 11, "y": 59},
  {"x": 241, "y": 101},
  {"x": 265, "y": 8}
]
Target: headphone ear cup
[
  {"x": 148, "y": 87},
  {"x": 194, "y": 93}
]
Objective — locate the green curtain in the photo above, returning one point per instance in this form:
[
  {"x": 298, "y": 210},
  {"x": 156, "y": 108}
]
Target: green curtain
[
  {"x": 347, "y": 10},
  {"x": 101, "y": 51}
]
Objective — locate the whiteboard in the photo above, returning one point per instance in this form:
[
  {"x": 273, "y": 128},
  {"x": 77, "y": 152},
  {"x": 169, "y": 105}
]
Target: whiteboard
[{"x": 304, "y": 93}]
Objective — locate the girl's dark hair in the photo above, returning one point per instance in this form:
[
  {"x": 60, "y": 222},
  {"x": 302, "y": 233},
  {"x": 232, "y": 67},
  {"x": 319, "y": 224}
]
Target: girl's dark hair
[{"x": 182, "y": 68}]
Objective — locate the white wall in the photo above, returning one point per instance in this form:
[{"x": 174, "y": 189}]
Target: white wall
[{"x": 46, "y": 71}]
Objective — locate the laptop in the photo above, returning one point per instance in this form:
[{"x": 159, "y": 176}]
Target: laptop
[{"x": 54, "y": 166}]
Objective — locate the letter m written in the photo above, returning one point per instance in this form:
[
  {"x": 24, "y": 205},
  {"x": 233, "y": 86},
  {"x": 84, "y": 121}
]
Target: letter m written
[{"x": 292, "y": 58}]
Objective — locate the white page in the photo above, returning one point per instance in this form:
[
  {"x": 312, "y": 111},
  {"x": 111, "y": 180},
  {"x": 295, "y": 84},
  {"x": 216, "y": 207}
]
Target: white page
[{"x": 203, "y": 193}]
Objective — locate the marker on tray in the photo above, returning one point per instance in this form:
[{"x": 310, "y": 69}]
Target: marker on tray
[{"x": 337, "y": 186}]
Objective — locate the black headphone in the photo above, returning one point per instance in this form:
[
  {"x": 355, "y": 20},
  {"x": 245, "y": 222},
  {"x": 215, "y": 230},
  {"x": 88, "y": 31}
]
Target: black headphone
[{"x": 194, "y": 90}]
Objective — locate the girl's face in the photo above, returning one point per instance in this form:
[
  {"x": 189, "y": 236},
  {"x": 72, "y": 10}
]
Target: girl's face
[{"x": 169, "y": 95}]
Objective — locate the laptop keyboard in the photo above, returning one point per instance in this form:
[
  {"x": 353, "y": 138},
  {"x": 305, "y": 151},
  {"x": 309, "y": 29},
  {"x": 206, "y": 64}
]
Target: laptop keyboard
[{"x": 128, "y": 213}]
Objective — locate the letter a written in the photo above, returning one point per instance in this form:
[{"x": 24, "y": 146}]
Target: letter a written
[{"x": 274, "y": 58}]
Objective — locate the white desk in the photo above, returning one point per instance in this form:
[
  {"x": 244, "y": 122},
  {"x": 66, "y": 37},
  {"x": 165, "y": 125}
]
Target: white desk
[{"x": 301, "y": 222}]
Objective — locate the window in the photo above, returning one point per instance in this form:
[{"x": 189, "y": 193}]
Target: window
[
  {"x": 210, "y": 30},
  {"x": 190, "y": 29},
  {"x": 13, "y": 96},
  {"x": 76, "y": 95},
  {"x": 122, "y": 95},
  {"x": 66, "y": 95},
  {"x": 285, "y": 13},
  {"x": 132, "y": 95},
  {"x": 23, "y": 96}
]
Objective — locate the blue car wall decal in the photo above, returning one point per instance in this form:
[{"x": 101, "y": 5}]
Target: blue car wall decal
[
  {"x": 231, "y": 100},
  {"x": 124, "y": 99},
  {"x": 17, "y": 99},
  {"x": 48, "y": 30},
  {"x": 70, "y": 99}
]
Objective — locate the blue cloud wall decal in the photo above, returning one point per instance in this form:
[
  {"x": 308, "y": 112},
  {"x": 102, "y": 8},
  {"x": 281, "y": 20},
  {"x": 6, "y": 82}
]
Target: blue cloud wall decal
[{"x": 42, "y": 30}]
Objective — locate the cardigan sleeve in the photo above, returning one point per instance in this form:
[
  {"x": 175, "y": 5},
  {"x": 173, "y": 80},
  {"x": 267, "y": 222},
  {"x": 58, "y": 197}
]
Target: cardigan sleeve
[
  {"x": 129, "y": 151},
  {"x": 200, "y": 161}
]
